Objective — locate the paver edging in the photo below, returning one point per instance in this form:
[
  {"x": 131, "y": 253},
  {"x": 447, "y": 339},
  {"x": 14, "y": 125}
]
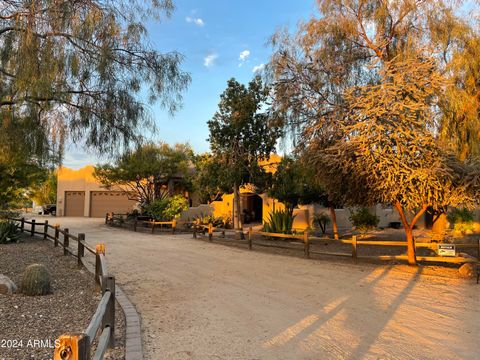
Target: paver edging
[{"x": 133, "y": 334}]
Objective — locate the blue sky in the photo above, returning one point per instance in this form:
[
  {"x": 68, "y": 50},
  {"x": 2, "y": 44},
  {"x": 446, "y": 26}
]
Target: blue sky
[{"x": 220, "y": 40}]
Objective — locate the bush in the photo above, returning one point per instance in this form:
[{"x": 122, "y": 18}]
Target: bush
[
  {"x": 460, "y": 216},
  {"x": 462, "y": 220},
  {"x": 364, "y": 220},
  {"x": 175, "y": 206},
  {"x": 210, "y": 219},
  {"x": 322, "y": 220},
  {"x": 8, "y": 232},
  {"x": 5, "y": 214},
  {"x": 280, "y": 221},
  {"x": 36, "y": 280},
  {"x": 167, "y": 209}
]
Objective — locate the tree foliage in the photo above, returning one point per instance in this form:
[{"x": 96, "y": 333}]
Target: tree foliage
[
  {"x": 372, "y": 91},
  {"x": 293, "y": 184},
  {"x": 241, "y": 134},
  {"x": 76, "y": 69},
  {"x": 45, "y": 192},
  {"x": 146, "y": 171}
]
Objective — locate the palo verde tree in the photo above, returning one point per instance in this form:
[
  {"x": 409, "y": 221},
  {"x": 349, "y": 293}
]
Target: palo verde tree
[
  {"x": 146, "y": 172},
  {"x": 241, "y": 134}
]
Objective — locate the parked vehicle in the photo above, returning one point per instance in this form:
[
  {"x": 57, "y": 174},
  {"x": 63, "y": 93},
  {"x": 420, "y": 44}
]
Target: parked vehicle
[{"x": 50, "y": 209}]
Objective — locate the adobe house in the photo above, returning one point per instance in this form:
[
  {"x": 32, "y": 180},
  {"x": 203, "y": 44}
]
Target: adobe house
[{"x": 80, "y": 194}]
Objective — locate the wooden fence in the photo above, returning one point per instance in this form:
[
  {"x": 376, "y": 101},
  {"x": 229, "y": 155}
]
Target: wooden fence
[{"x": 78, "y": 346}]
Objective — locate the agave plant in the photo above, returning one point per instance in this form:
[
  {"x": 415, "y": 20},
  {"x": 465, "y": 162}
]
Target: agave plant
[
  {"x": 280, "y": 221},
  {"x": 8, "y": 232}
]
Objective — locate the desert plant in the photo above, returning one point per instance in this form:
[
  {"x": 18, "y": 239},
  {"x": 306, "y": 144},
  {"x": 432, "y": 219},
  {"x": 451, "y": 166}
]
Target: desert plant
[
  {"x": 175, "y": 206},
  {"x": 36, "y": 280},
  {"x": 462, "y": 220},
  {"x": 460, "y": 216},
  {"x": 280, "y": 221},
  {"x": 322, "y": 220},
  {"x": 8, "y": 232},
  {"x": 364, "y": 220},
  {"x": 209, "y": 219}
]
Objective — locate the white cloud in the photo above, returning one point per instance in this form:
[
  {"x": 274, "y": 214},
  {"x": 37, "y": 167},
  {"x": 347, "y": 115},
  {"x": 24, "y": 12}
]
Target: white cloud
[
  {"x": 244, "y": 55},
  {"x": 258, "y": 68},
  {"x": 196, "y": 21},
  {"x": 209, "y": 60}
]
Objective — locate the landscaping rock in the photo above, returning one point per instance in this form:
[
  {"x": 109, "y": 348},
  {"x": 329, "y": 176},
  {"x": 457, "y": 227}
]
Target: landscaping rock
[
  {"x": 468, "y": 270},
  {"x": 7, "y": 286}
]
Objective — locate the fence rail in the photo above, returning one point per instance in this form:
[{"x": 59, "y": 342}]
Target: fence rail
[
  {"x": 306, "y": 239},
  {"x": 78, "y": 346}
]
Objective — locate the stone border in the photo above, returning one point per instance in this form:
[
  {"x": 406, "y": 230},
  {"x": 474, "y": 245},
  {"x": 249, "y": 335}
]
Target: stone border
[{"x": 133, "y": 334}]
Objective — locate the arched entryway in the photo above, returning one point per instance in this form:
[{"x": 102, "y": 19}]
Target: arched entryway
[{"x": 252, "y": 208}]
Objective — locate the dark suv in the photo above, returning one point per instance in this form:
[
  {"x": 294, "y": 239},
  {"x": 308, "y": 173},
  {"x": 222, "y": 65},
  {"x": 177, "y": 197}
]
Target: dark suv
[{"x": 50, "y": 209}]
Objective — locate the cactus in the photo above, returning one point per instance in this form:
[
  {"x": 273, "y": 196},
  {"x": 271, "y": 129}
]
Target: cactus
[{"x": 36, "y": 280}]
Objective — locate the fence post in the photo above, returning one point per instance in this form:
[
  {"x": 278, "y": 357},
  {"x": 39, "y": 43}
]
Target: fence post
[
  {"x": 250, "y": 233},
  {"x": 80, "y": 250},
  {"x": 135, "y": 225},
  {"x": 32, "y": 231},
  {"x": 22, "y": 224},
  {"x": 74, "y": 346},
  {"x": 99, "y": 249},
  {"x": 354, "y": 248},
  {"x": 478, "y": 249},
  {"x": 66, "y": 242},
  {"x": 45, "y": 230},
  {"x": 174, "y": 225},
  {"x": 57, "y": 234},
  {"x": 210, "y": 232},
  {"x": 194, "y": 231},
  {"x": 153, "y": 226},
  {"x": 108, "y": 284},
  {"x": 306, "y": 243}
]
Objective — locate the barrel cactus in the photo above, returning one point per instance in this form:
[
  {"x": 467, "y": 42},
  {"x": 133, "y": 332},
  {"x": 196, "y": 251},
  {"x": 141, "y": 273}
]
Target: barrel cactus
[{"x": 36, "y": 280}]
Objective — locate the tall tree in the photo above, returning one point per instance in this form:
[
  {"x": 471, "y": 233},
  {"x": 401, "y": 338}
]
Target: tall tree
[
  {"x": 146, "y": 172},
  {"x": 241, "y": 134},
  {"x": 389, "y": 146},
  {"x": 76, "y": 70},
  {"x": 351, "y": 45}
]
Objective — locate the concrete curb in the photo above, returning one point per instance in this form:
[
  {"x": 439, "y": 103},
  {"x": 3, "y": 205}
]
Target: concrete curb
[{"x": 133, "y": 334}]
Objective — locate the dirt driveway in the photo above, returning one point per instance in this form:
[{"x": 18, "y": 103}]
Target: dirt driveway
[{"x": 207, "y": 301}]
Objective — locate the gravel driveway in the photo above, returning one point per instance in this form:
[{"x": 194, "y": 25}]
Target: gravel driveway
[{"x": 199, "y": 300}]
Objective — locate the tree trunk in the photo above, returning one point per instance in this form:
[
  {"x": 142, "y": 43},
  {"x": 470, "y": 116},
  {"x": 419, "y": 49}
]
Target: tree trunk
[
  {"x": 333, "y": 215},
  {"x": 238, "y": 222},
  {"x": 412, "y": 259}
]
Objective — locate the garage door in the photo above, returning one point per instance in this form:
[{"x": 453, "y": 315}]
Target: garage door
[
  {"x": 102, "y": 202},
  {"x": 74, "y": 203}
]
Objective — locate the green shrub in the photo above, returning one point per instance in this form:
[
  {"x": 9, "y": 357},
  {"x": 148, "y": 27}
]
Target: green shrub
[
  {"x": 8, "y": 232},
  {"x": 322, "y": 220},
  {"x": 280, "y": 221},
  {"x": 175, "y": 206},
  {"x": 462, "y": 220},
  {"x": 210, "y": 219},
  {"x": 363, "y": 219},
  {"x": 36, "y": 280},
  {"x": 168, "y": 208},
  {"x": 5, "y": 214},
  {"x": 460, "y": 216}
]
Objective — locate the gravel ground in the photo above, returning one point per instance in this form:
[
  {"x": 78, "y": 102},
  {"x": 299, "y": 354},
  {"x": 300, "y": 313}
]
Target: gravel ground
[
  {"x": 202, "y": 301},
  {"x": 68, "y": 308}
]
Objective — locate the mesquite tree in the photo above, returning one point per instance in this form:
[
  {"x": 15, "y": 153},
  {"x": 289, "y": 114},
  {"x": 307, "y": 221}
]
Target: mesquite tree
[{"x": 241, "y": 134}]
